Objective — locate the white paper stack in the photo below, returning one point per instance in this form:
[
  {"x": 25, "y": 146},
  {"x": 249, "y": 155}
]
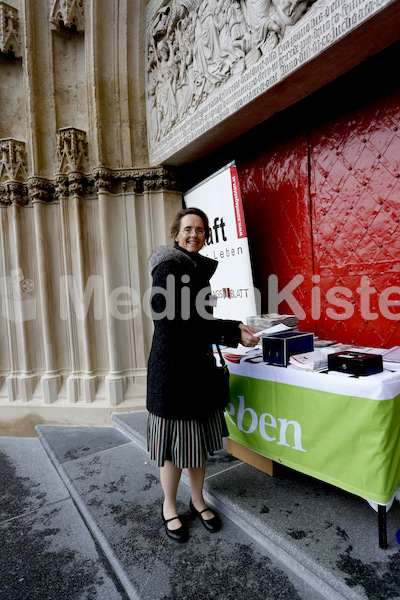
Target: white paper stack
[
  {"x": 271, "y": 319},
  {"x": 310, "y": 361},
  {"x": 338, "y": 347}
]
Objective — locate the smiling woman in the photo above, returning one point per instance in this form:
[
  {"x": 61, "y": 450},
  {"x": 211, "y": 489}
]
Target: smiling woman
[{"x": 185, "y": 425}]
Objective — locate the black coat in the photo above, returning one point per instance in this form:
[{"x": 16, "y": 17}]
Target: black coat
[{"x": 181, "y": 360}]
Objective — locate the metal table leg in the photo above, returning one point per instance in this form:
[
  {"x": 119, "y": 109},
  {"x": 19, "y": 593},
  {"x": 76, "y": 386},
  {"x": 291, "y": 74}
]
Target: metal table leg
[{"x": 382, "y": 527}]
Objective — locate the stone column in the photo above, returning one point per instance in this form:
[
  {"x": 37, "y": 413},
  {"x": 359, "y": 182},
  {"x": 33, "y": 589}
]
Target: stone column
[
  {"x": 73, "y": 379},
  {"x": 51, "y": 379},
  {"x": 89, "y": 379},
  {"x": 26, "y": 378},
  {"x": 114, "y": 380},
  {"x": 72, "y": 155}
]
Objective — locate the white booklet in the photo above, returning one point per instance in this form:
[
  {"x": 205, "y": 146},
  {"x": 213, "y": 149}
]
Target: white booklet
[{"x": 311, "y": 361}]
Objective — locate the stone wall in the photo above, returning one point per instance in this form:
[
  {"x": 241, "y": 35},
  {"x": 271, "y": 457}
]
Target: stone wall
[{"x": 80, "y": 208}]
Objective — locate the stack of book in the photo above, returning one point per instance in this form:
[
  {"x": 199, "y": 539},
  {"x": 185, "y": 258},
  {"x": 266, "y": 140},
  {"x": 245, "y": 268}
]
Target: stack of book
[{"x": 309, "y": 361}]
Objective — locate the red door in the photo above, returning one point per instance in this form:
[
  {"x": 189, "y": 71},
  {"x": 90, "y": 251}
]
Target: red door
[{"x": 324, "y": 205}]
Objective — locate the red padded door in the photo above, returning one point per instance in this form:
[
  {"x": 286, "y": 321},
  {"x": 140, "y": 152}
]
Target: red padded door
[
  {"x": 324, "y": 205},
  {"x": 355, "y": 192}
]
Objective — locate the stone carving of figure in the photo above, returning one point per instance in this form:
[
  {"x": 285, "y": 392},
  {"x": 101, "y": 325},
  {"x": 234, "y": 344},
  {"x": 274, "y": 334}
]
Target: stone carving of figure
[
  {"x": 238, "y": 28},
  {"x": 290, "y": 11},
  {"x": 154, "y": 115},
  {"x": 223, "y": 29},
  {"x": 160, "y": 25},
  {"x": 211, "y": 64},
  {"x": 258, "y": 19},
  {"x": 178, "y": 12},
  {"x": 166, "y": 86},
  {"x": 184, "y": 55},
  {"x": 193, "y": 49},
  {"x": 235, "y": 34}
]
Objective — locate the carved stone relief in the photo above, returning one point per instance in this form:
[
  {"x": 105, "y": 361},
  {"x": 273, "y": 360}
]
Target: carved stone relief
[
  {"x": 192, "y": 50},
  {"x": 72, "y": 150},
  {"x": 209, "y": 59},
  {"x": 69, "y": 13},
  {"x": 40, "y": 189},
  {"x": 9, "y": 30},
  {"x": 12, "y": 161}
]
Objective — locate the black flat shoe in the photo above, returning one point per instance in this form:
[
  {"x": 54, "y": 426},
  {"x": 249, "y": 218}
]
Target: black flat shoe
[
  {"x": 178, "y": 535},
  {"x": 212, "y": 525}
]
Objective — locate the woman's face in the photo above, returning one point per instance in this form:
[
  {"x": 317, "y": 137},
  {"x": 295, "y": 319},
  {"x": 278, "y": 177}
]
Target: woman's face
[{"x": 191, "y": 235}]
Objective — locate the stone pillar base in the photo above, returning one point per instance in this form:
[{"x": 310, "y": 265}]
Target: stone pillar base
[
  {"x": 73, "y": 384},
  {"x": 89, "y": 388},
  {"x": 50, "y": 388},
  {"x": 12, "y": 388},
  {"x": 115, "y": 389},
  {"x": 27, "y": 384}
]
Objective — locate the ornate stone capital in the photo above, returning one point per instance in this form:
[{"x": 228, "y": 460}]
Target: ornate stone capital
[
  {"x": 103, "y": 179},
  {"x": 13, "y": 192},
  {"x": 76, "y": 183},
  {"x": 12, "y": 160},
  {"x": 160, "y": 178},
  {"x": 61, "y": 186},
  {"x": 68, "y": 13},
  {"x": 40, "y": 189},
  {"x": 146, "y": 180},
  {"x": 17, "y": 193},
  {"x": 72, "y": 150},
  {"x": 10, "y": 42},
  {"x": 4, "y": 197}
]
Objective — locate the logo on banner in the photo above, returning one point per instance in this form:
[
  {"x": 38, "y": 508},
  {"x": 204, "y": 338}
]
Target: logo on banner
[
  {"x": 238, "y": 206},
  {"x": 270, "y": 428}
]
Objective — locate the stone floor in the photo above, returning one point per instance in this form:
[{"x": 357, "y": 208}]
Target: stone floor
[{"x": 80, "y": 519}]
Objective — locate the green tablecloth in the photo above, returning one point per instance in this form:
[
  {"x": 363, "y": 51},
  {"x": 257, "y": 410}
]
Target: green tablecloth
[{"x": 309, "y": 424}]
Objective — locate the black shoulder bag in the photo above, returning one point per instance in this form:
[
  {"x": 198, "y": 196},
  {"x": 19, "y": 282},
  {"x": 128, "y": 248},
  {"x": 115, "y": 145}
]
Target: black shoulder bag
[{"x": 221, "y": 383}]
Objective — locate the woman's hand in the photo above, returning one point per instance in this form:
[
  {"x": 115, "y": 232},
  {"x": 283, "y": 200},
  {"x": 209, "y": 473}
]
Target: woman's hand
[{"x": 247, "y": 338}]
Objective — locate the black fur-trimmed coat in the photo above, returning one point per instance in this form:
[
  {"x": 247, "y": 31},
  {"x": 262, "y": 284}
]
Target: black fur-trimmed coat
[{"x": 181, "y": 362}]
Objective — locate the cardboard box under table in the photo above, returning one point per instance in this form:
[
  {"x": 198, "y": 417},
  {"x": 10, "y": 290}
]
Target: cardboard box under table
[{"x": 312, "y": 422}]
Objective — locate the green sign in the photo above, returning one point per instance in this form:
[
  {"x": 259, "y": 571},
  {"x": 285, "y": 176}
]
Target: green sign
[{"x": 350, "y": 442}]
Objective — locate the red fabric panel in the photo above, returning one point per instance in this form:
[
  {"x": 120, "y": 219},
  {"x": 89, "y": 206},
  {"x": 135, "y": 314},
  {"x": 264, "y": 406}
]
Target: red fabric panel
[{"x": 275, "y": 196}]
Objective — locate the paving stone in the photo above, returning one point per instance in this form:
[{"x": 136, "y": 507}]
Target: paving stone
[
  {"x": 64, "y": 443},
  {"x": 319, "y": 524},
  {"x": 28, "y": 479},
  {"x": 120, "y": 494},
  {"x": 49, "y": 554}
]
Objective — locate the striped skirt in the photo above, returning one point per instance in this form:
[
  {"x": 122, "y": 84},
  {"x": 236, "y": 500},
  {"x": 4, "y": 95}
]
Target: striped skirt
[{"x": 185, "y": 443}]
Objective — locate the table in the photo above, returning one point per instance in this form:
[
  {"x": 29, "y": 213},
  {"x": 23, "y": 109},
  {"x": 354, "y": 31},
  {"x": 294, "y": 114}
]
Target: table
[{"x": 339, "y": 429}]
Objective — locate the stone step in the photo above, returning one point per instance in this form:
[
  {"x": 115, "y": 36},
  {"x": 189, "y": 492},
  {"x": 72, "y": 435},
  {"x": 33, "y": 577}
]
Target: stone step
[
  {"x": 286, "y": 537},
  {"x": 47, "y": 551},
  {"x": 322, "y": 533},
  {"x": 119, "y": 495},
  {"x": 133, "y": 425}
]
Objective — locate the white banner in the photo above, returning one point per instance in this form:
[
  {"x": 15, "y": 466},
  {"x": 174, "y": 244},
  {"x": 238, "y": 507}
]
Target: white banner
[{"x": 219, "y": 197}]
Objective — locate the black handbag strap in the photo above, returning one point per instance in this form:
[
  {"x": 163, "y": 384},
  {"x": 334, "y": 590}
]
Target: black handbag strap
[{"x": 221, "y": 358}]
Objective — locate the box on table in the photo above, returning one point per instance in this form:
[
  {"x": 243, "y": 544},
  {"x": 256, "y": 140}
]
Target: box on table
[
  {"x": 278, "y": 347},
  {"x": 355, "y": 363}
]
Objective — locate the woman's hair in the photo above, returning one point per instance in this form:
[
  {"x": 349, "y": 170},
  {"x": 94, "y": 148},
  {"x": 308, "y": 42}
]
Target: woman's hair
[{"x": 176, "y": 225}]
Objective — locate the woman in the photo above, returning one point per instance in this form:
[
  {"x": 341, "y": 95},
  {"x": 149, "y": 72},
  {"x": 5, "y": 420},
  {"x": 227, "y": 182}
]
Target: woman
[{"x": 184, "y": 426}]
